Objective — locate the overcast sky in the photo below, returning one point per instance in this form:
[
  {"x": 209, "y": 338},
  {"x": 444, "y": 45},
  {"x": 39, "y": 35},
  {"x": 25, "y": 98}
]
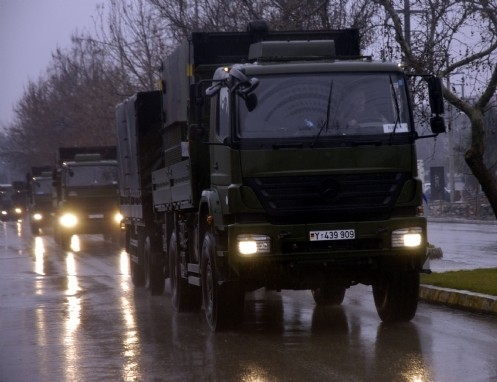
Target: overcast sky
[{"x": 30, "y": 30}]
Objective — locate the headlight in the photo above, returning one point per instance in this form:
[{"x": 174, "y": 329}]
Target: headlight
[
  {"x": 37, "y": 216},
  {"x": 407, "y": 237},
  {"x": 18, "y": 210},
  {"x": 252, "y": 244},
  {"x": 118, "y": 217},
  {"x": 4, "y": 212},
  {"x": 68, "y": 220}
]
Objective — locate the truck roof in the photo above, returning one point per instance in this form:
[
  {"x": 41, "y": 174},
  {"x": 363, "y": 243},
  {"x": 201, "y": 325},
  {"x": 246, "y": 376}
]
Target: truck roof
[{"x": 66, "y": 154}]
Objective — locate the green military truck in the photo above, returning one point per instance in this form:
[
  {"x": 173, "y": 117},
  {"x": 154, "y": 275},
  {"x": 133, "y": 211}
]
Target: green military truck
[
  {"x": 86, "y": 199},
  {"x": 283, "y": 160},
  {"x": 40, "y": 204}
]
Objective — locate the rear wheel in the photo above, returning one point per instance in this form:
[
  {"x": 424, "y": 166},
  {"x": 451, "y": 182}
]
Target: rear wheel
[
  {"x": 35, "y": 229},
  {"x": 154, "y": 275},
  {"x": 65, "y": 240},
  {"x": 137, "y": 268},
  {"x": 184, "y": 297},
  {"x": 223, "y": 303},
  {"x": 396, "y": 296}
]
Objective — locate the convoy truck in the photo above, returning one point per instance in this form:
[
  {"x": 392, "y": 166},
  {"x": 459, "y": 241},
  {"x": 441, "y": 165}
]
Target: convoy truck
[
  {"x": 7, "y": 209},
  {"x": 283, "y": 160},
  {"x": 86, "y": 199},
  {"x": 40, "y": 205}
]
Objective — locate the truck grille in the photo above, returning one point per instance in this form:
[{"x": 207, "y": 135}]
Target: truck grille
[{"x": 328, "y": 198}]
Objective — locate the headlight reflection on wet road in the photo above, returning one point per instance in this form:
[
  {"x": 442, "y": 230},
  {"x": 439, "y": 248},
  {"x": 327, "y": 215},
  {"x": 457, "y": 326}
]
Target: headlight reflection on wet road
[
  {"x": 131, "y": 341},
  {"x": 72, "y": 314},
  {"x": 75, "y": 243},
  {"x": 39, "y": 256}
]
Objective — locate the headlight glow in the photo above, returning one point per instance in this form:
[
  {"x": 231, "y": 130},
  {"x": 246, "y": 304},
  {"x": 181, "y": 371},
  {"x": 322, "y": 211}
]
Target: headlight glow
[
  {"x": 37, "y": 216},
  {"x": 407, "y": 237},
  {"x": 18, "y": 210},
  {"x": 4, "y": 212},
  {"x": 118, "y": 217},
  {"x": 252, "y": 244},
  {"x": 68, "y": 220}
]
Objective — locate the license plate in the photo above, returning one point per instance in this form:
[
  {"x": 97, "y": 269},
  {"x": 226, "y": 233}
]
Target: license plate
[
  {"x": 338, "y": 234},
  {"x": 96, "y": 216}
]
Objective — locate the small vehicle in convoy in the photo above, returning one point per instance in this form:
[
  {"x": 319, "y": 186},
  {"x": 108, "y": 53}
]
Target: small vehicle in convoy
[
  {"x": 86, "y": 195},
  {"x": 7, "y": 209}
]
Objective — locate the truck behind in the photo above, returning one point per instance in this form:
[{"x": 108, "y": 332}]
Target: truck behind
[{"x": 85, "y": 193}]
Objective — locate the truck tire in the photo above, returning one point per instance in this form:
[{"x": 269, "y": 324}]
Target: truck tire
[
  {"x": 223, "y": 306},
  {"x": 396, "y": 296},
  {"x": 65, "y": 240},
  {"x": 184, "y": 297},
  {"x": 137, "y": 269},
  {"x": 35, "y": 229},
  {"x": 329, "y": 294},
  {"x": 154, "y": 275}
]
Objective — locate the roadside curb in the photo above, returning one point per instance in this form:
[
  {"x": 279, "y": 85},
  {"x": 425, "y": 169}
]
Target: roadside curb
[{"x": 475, "y": 302}]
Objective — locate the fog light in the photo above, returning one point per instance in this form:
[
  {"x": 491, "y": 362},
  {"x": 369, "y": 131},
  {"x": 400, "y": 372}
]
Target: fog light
[
  {"x": 407, "y": 237},
  {"x": 252, "y": 244},
  {"x": 68, "y": 220}
]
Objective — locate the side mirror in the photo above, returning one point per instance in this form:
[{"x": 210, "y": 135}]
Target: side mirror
[
  {"x": 435, "y": 90},
  {"x": 436, "y": 95},
  {"x": 437, "y": 125},
  {"x": 250, "y": 101}
]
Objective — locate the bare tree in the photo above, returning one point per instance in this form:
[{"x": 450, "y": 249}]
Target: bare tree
[
  {"x": 449, "y": 38},
  {"x": 185, "y": 16},
  {"x": 134, "y": 37},
  {"x": 72, "y": 106}
]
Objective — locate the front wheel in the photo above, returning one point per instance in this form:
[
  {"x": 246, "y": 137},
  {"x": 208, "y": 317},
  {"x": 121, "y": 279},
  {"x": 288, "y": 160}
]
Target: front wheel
[
  {"x": 396, "y": 296},
  {"x": 328, "y": 294},
  {"x": 223, "y": 303}
]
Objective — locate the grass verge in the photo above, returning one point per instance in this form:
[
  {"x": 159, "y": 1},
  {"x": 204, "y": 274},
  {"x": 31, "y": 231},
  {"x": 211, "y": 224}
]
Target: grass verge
[{"x": 477, "y": 280}]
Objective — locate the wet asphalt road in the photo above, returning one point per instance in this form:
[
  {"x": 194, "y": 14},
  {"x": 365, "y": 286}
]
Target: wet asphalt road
[{"x": 75, "y": 316}]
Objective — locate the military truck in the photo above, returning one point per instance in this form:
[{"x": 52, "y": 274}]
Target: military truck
[
  {"x": 7, "y": 209},
  {"x": 86, "y": 199},
  {"x": 283, "y": 160},
  {"x": 13, "y": 200},
  {"x": 40, "y": 207}
]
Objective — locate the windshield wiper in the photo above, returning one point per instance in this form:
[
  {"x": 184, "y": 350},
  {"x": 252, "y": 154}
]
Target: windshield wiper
[
  {"x": 397, "y": 110},
  {"x": 326, "y": 123}
]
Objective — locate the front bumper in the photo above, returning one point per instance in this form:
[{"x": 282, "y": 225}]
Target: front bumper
[{"x": 292, "y": 243}]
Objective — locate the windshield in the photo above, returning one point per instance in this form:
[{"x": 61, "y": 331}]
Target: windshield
[
  {"x": 80, "y": 176},
  {"x": 326, "y": 105},
  {"x": 6, "y": 194},
  {"x": 42, "y": 186}
]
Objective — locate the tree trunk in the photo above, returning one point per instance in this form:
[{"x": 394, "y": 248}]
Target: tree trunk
[{"x": 474, "y": 160}]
